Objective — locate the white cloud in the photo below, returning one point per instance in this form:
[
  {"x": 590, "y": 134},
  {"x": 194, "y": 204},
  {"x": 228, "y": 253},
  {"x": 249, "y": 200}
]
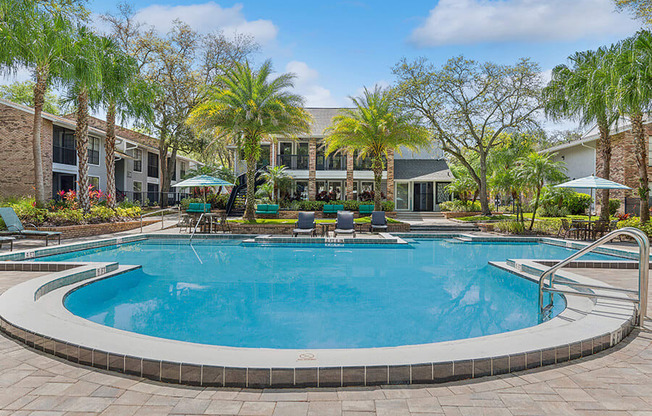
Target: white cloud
[
  {"x": 454, "y": 22},
  {"x": 382, "y": 84},
  {"x": 208, "y": 17},
  {"x": 306, "y": 84}
]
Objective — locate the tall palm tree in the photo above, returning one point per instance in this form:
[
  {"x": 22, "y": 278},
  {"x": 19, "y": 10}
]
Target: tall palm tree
[
  {"x": 373, "y": 128},
  {"x": 582, "y": 91},
  {"x": 632, "y": 93},
  {"x": 250, "y": 106},
  {"x": 534, "y": 170},
  {"x": 39, "y": 40},
  {"x": 122, "y": 94},
  {"x": 83, "y": 78}
]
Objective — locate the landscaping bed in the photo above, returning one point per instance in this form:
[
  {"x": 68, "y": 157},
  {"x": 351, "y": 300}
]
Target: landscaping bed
[{"x": 87, "y": 230}]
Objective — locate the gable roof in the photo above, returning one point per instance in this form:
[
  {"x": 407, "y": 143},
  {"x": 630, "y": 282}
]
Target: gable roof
[
  {"x": 322, "y": 118},
  {"x": 422, "y": 170}
]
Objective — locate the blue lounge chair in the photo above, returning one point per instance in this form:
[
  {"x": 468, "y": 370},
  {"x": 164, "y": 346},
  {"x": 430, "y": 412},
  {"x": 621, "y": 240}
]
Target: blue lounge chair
[
  {"x": 15, "y": 227},
  {"x": 305, "y": 224},
  {"x": 378, "y": 221},
  {"x": 344, "y": 223}
]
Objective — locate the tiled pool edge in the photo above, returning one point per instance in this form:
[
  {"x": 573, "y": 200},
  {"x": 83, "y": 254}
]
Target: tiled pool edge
[{"x": 254, "y": 377}]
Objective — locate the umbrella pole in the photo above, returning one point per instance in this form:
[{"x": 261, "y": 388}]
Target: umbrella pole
[{"x": 592, "y": 202}]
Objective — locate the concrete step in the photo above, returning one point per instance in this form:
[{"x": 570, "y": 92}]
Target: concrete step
[{"x": 419, "y": 215}]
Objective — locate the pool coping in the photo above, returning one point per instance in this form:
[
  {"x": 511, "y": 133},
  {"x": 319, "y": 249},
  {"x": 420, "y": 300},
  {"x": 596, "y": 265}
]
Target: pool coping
[{"x": 583, "y": 328}]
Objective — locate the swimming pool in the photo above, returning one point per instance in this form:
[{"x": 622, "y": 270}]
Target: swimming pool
[{"x": 313, "y": 296}]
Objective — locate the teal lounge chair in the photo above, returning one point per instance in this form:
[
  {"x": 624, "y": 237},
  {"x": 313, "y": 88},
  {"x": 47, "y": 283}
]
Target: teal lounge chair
[
  {"x": 267, "y": 209},
  {"x": 9, "y": 240},
  {"x": 330, "y": 209},
  {"x": 15, "y": 227},
  {"x": 365, "y": 209}
]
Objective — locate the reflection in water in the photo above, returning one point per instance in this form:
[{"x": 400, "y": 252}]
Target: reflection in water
[{"x": 313, "y": 297}]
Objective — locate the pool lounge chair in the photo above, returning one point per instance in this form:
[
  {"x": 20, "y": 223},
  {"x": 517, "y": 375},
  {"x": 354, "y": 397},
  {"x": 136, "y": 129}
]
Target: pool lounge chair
[
  {"x": 378, "y": 222},
  {"x": 305, "y": 224},
  {"x": 9, "y": 240},
  {"x": 345, "y": 223},
  {"x": 15, "y": 227}
]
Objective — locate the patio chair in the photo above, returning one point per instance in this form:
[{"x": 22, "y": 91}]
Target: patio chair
[
  {"x": 344, "y": 223},
  {"x": 9, "y": 240},
  {"x": 185, "y": 223},
  {"x": 15, "y": 226},
  {"x": 305, "y": 224},
  {"x": 378, "y": 221},
  {"x": 566, "y": 228},
  {"x": 600, "y": 228}
]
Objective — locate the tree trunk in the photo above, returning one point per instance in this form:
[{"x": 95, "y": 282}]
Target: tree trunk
[
  {"x": 39, "y": 99},
  {"x": 605, "y": 155},
  {"x": 166, "y": 179},
  {"x": 484, "y": 201},
  {"x": 81, "y": 138},
  {"x": 377, "y": 167},
  {"x": 163, "y": 171},
  {"x": 250, "y": 206},
  {"x": 641, "y": 163},
  {"x": 536, "y": 206},
  {"x": 109, "y": 150}
]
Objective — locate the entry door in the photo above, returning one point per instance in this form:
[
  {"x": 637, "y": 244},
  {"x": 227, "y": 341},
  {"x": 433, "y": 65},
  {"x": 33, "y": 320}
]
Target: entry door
[{"x": 423, "y": 196}]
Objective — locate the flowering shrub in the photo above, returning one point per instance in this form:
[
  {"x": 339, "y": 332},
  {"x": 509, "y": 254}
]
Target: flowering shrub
[{"x": 65, "y": 211}]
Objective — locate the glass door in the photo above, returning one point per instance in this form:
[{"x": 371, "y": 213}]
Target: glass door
[{"x": 423, "y": 196}]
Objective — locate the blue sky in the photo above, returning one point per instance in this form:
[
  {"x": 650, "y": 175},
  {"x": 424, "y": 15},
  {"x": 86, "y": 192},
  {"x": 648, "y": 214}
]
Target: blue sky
[{"x": 338, "y": 46}]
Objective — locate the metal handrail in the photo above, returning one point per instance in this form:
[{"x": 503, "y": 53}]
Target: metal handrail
[
  {"x": 160, "y": 211},
  {"x": 643, "y": 271},
  {"x": 196, "y": 225}
]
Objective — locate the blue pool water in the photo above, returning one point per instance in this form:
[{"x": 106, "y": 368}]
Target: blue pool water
[{"x": 225, "y": 293}]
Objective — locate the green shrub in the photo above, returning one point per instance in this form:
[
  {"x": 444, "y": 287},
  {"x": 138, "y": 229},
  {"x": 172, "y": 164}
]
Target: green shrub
[
  {"x": 552, "y": 211},
  {"x": 460, "y": 206},
  {"x": 66, "y": 217},
  {"x": 348, "y": 205},
  {"x": 185, "y": 202},
  {"x": 614, "y": 205},
  {"x": 577, "y": 203},
  {"x": 218, "y": 201},
  {"x": 510, "y": 226},
  {"x": 548, "y": 226},
  {"x": 128, "y": 213}
]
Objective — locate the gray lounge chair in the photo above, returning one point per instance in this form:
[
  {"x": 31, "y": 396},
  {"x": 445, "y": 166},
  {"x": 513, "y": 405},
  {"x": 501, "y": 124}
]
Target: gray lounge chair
[
  {"x": 9, "y": 240},
  {"x": 305, "y": 224},
  {"x": 15, "y": 227},
  {"x": 378, "y": 222},
  {"x": 345, "y": 223}
]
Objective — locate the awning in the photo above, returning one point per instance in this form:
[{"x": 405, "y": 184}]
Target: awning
[
  {"x": 122, "y": 155},
  {"x": 422, "y": 170}
]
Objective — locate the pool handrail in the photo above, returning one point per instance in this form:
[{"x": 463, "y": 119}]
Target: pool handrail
[
  {"x": 643, "y": 274},
  {"x": 160, "y": 211}
]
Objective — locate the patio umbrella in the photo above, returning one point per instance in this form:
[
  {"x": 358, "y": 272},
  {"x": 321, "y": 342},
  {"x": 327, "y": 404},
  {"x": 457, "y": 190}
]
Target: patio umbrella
[
  {"x": 592, "y": 182},
  {"x": 202, "y": 181}
]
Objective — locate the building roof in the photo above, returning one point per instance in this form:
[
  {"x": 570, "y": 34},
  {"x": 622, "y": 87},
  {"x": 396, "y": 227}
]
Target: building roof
[
  {"x": 322, "y": 118},
  {"x": 422, "y": 170}
]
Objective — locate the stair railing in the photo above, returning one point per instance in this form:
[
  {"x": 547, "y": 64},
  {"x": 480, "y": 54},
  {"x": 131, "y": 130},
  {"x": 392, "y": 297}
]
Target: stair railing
[{"x": 643, "y": 276}]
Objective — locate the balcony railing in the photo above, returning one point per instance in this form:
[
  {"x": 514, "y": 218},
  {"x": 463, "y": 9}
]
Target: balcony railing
[
  {"x": 333, "y": 162},
  {"x": 64, "y": 155},
  {"x": 294, "y": 162}
]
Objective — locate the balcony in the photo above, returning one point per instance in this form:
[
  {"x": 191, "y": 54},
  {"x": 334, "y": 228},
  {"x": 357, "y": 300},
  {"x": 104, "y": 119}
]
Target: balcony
[
  {"x": 332, "y": 162},
  {"x": 64, "y": 155},
  {"x": 293, "y": 162}
]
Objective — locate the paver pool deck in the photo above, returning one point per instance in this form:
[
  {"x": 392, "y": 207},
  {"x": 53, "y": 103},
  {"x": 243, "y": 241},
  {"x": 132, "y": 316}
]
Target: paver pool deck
[{"x": 613, "y": 382}]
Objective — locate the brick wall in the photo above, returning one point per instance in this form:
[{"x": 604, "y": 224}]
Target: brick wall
[
  {"x": 390, "y": 175},
  {"x": 349, "y": 175},
  {"x": 312, "y": 169},
  {"x": 77, "y": 231},
  {"x": 16, "y": 157}
]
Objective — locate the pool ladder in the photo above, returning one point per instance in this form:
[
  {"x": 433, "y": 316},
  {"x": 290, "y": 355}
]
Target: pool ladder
[{"x": 643, "y": 274}]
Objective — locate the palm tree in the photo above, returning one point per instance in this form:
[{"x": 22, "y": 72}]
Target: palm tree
[
  {"x": 250, "y": 106},
  {"x": 632, "y": 92},
  {"x": 123, "y": 94},
  {"x": 582, "y": 91},
  {"x": 83, "y": 78},
  {"x": 40, "y": 41},
  {"x": 534, "y": 170},
  {"x": 373, "y": 128},
  {"x": 279, "y": 178}
]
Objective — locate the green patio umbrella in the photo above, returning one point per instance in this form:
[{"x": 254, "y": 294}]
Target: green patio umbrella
[
  {"x": 592, "y": 182},
  {"x": 202, "y": 181}
]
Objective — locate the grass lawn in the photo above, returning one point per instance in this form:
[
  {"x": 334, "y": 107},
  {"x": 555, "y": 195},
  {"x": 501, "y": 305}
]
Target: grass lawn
[
  {"x": 484, "y": 218},
  {"x": 363, "y": 220}
]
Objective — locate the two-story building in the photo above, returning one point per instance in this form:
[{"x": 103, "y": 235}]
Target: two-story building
[
  {"x": 137, "y": 172},
  {"x": 415, "y": 181}
]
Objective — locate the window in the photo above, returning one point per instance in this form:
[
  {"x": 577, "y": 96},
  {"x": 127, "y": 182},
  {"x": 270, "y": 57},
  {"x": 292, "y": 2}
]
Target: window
[
  {"x": 301, "y": 190},
  {"x": 138, "y": 190},
  {"x": 402, "y": 195},
  {"x": 94, "y": 181},
  {"x": 63, "y": 146},
  {"x": 138, "y": 160},
  {"x": 182, "y": 169},
  {"x": 152, "y": 193},
  {"x": 152, "y": 165},
  {"x": 93, "y": 150}
]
